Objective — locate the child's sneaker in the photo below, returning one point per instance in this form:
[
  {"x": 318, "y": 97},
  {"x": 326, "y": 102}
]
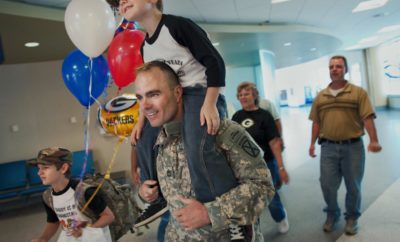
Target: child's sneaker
[
  {"x": 151, "y": 212},
  {"x": 241, "y": 233}
]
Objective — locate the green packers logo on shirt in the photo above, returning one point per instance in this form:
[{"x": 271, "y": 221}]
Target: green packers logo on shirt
[{"x": 247, "y": 123}]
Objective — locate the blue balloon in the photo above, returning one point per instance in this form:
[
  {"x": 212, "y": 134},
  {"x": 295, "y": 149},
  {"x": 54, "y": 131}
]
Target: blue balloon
[{"x": 76, "y": 74}]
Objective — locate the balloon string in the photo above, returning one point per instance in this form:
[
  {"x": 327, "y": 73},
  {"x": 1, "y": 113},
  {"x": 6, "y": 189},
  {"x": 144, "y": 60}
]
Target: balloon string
[
  {"x": 87, "y": 126},
  {"x": 106, "y": 175},
  {"x": 90, "y": 83}
]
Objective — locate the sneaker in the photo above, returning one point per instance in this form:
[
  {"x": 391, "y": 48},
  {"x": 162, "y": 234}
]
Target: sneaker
[
  {"x": 330, "y": 223},
  {"x": 241, "y": 233},
  {"x": 151, "y": 212},
  {"x": 351, "y": 227},
  {"x": 283, "y": 226}
]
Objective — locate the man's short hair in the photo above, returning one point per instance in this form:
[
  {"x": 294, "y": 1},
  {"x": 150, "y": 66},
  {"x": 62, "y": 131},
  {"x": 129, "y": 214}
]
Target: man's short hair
[
  {"x": 115, "y": 4},
  {"x": 249, "y": 86},
  {"x": 172, "y": 77},
  {"x": 344, "y": 61}
]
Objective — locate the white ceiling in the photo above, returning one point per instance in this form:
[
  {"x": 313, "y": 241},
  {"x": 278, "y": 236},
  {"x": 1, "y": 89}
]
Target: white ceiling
[{"x": 314, "y": 27}]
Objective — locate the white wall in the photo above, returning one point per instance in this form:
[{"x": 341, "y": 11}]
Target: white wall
[
  {"x": 293, "y": 79},
  {"x": 383, "y": 61},
  {"x": 34, "y": 97}
]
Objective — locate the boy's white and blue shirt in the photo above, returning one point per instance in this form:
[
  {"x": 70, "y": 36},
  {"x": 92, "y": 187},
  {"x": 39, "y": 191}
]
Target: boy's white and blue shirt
[{"x": 186, "y": 48}]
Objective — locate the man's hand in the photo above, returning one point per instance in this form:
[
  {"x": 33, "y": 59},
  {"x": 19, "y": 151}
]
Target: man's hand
[
  {"x": 311, "y": 150},
  {"x": 374, "y": 147},
  {"x": 209, "y": 115},
  {"x": 148, "y": 191},
  {"x": 193, "y": 216},
  {"x": 284, "y": 175}
]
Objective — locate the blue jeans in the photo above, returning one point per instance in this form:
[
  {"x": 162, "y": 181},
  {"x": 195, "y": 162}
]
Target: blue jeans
[
  {"x": 162, "y": 226},
  {"x": 146, "y": 152},
  {"x": 347, "y": 161},
  {"x": 275, "y": 207},
  {"x": 209, "y": 170}
]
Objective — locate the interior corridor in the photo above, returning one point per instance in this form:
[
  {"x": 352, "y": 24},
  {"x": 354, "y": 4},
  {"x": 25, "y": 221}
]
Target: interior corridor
[{"x": 302, "y": 197}]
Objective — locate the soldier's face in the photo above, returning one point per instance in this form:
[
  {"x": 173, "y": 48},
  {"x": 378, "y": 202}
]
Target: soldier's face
[
  {"x": 157, "y": 101},
  {"x": 337, "y": 69}
]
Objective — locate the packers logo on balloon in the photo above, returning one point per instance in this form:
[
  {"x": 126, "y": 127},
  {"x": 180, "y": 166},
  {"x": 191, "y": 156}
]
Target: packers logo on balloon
[{"x": 119, "y": 115}]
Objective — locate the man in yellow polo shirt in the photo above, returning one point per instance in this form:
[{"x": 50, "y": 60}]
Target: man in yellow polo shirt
[{"x": 339, "y": 114}]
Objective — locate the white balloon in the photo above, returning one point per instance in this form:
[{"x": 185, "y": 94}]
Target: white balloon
[{"x": 90, "y": 24}]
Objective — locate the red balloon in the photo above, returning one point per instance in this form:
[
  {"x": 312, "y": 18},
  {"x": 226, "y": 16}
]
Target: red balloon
[{"x": 124, "y": 56}]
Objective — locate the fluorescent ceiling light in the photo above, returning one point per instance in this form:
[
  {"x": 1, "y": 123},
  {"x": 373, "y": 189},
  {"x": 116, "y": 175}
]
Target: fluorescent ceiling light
[
  {"x": 368, "y": 40},
  {"x": 367, "y": 5},
  {"x": 354, "y": 47},
  {"x": 278, "y": 1},
  {"x": 389, "y": 28},
  {"x": 215, "y": 43},
  {"x": 31, "y": 44},
  {"x": 287, "y": 44}
]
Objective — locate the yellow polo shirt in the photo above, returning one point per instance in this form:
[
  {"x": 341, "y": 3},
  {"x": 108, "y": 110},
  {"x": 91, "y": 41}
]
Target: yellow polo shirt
[{"x": 341, "y": 117}]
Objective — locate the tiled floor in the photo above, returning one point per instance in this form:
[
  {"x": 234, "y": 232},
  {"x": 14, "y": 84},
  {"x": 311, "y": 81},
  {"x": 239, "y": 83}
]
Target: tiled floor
[{"x": 302, "y": 197}]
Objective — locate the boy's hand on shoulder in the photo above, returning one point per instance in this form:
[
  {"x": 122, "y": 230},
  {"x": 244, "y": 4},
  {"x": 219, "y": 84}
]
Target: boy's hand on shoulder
[
  {"x": 136, "y": 132},
  {"x": 209, "y": 116}
]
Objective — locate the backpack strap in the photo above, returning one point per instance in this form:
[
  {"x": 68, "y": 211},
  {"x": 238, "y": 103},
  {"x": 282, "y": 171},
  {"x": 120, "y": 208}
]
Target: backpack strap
[{"x": 81, "y": 188}]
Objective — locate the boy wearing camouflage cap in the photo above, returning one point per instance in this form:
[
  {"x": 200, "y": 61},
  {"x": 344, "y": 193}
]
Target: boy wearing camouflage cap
[{"x": 54, "y": 166}]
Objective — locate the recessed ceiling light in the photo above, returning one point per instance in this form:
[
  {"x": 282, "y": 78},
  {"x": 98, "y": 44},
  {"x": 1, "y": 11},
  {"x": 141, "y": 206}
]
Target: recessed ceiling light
[
  {"x": 278, "y": 1},
  {"x": 389, "y": 28},
  {"x": 31, "y": 44},
  {"x": 215, "y": 43},
  {"x": 367, "y": 5},
  {"x": 287, "y": 44},
  {"x": 313, "y": 49}
]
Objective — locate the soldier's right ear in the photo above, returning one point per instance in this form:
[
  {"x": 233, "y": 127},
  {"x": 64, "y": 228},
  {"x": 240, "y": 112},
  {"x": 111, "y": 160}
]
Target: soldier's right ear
[{"x": 178, "y": 93}]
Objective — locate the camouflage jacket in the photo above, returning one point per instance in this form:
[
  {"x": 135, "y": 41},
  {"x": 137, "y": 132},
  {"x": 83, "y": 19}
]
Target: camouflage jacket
[{"x": 241, "y": 205}]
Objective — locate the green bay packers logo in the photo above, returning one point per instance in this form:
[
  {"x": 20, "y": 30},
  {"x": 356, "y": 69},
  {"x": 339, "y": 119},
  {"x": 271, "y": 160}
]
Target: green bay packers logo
[
  {"x": 119, "y": 115},
  {"x": 247, "y": 123}
]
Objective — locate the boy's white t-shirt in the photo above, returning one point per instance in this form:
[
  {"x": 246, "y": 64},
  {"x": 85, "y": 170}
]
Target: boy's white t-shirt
[{"x": 69, "y": 215}]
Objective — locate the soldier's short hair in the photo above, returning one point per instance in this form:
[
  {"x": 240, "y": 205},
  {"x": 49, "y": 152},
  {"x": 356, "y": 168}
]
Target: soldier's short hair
[{"x": 172, "y": 77}]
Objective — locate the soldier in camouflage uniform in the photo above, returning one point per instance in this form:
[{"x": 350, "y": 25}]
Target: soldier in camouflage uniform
[{"x": 160, "y": 100}]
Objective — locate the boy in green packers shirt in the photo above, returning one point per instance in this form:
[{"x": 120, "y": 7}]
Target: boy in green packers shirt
[{"x": 54, "y": 166}]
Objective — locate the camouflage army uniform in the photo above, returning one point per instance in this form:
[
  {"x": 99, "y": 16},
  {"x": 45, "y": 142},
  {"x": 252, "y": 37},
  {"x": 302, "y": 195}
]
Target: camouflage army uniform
[{"x": 241, "y": 205}]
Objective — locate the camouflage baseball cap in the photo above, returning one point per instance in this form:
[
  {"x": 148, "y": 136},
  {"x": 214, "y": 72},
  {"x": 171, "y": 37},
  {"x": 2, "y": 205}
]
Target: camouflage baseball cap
[{"x": 53, "y": 155}]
